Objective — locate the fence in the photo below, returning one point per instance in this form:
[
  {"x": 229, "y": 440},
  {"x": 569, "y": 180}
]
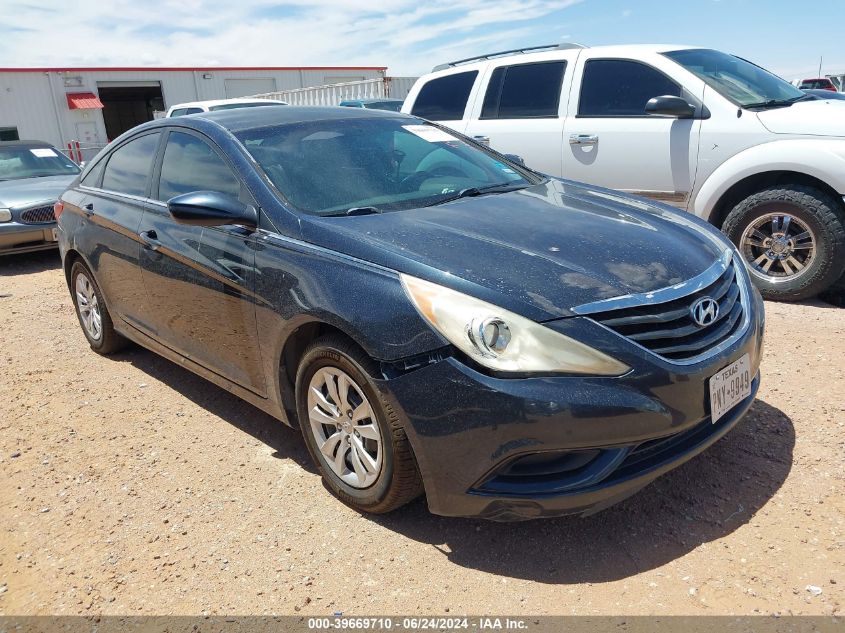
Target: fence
[
  {"x": 333, "y": 94},
  {"x": 82, "y": 153}
]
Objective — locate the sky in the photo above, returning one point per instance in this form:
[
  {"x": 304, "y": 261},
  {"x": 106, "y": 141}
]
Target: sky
[{"x": 407, "y": 36}]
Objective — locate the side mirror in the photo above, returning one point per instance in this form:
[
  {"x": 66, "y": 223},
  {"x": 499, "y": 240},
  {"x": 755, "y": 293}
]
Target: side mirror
[
  {"x": 515, "y": 158},
  {"x": 668, "y": 105},
  {"x": 211, "y": 208}
]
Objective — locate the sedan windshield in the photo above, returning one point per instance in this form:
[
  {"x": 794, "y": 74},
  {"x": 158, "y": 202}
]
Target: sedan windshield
[
  {"x": 23, "y": 161},
  {"x": 738, "y": 80},
  {"x": 349, "y": 166}
]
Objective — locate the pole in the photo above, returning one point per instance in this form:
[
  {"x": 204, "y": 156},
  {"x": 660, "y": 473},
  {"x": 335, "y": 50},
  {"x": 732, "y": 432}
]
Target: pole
[{"x": 820, "y": 67}]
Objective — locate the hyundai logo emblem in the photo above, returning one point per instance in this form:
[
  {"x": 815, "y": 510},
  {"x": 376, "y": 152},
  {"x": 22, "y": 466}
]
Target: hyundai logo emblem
[{"x": 704, "y": 311}]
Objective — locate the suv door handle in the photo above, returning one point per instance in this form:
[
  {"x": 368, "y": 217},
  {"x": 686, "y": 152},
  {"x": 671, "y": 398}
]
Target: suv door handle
[
  {"x": 150, "y": 240},
  {"x": 89, "y": 209},
  {"x": 583, "y": 139}
]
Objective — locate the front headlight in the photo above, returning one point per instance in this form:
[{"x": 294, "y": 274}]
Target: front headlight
[
  {"x": 502, "y": 340},
  {"x": 5, "y": 215}
]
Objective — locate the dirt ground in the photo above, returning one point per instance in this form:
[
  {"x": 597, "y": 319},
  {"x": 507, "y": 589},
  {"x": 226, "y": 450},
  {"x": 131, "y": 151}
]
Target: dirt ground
[{"x": 130, "y": 486}]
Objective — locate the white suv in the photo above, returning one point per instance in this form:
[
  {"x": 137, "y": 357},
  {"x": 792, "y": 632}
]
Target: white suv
[
  {"x": 195, "y": 107},
  {"x": 697, "y": 128}
]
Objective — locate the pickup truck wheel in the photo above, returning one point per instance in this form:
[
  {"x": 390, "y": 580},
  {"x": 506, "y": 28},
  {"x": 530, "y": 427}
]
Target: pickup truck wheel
[{"x": 792, "y": 238}]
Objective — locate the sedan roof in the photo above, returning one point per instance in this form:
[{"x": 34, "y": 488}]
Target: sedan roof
[{"x": 238, "y": 120}]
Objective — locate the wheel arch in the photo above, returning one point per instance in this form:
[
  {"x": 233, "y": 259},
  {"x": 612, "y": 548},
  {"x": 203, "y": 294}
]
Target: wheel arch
[
  {"x": 750, "y": 185},
  {"x": 817, "y": 163},
  {"x": 290, "y": 354}
]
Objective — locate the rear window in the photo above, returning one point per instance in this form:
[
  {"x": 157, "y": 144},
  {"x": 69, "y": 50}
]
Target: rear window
[
  {"x": 524, "y": 91},
  {"x": 621, "y": 88},
  {"x": 445, "y": 98}
]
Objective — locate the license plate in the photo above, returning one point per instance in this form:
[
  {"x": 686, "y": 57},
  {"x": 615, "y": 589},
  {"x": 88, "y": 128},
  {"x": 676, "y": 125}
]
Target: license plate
[
  {"x": 729, "y": 386},
  {"x": 55, "y": 234}
]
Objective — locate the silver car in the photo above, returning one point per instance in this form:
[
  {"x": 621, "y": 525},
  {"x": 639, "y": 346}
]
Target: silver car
[{"x": 32, "y": 175}]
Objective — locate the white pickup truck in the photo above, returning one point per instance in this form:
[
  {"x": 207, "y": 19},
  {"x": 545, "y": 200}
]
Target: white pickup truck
[{"x": 697, "y": 128}]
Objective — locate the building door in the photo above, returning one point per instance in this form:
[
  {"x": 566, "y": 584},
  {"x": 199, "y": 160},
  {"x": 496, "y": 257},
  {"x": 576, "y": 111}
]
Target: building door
[{"x": 127, "y": 104}]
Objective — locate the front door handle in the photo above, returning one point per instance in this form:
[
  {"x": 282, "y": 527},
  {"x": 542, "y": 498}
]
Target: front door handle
[
  {"x": 89, "y": 209},
  {"x": 150, "y": 240},
  {"x": 583, "y": 139}
]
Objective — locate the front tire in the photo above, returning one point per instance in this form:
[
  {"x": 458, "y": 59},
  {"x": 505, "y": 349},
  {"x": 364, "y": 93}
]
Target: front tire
[
  {"x": 793, "y": 239},
  {"x": 92, "y": 313},
  {"x": 351, "y": 432}
]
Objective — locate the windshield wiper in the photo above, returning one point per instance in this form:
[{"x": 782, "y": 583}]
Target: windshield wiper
[
  {"x": 352, "y": 211},
  {"x": 471, "y": 192},
  {"x": 777, "y": 103}
]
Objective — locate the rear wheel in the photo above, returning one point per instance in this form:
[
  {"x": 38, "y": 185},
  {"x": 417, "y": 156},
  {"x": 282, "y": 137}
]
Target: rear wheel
[
  {"x": 92, "y": 312},
  {"x": 793, "y": 239},
  {"x": 353, "y": 435}
]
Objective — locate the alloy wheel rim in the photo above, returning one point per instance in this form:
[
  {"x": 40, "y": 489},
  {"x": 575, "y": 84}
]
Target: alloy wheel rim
[
  {"x": 778, "y": 247},
  {"x": 89, "y": 307},
  {"x": 345, "y": 428}
]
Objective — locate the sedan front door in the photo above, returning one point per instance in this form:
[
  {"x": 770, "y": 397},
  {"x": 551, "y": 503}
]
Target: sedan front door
[{"x": 200, "y": 281}]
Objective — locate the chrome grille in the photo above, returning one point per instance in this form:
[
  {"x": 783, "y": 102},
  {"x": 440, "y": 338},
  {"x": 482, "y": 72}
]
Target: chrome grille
[
  {"x": 662, "y": 321},
  {"x": 38, "y": 215}
]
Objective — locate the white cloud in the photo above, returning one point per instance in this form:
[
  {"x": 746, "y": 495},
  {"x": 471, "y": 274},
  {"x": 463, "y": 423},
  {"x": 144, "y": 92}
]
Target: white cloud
[{"x": 405, "y": 35}]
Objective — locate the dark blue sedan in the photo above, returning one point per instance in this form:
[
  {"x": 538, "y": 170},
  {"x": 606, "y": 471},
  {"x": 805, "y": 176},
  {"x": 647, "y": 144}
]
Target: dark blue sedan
[{"x": 432, "y": 315}]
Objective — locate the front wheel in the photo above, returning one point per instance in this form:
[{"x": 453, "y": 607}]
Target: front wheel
[
  {"x": 792, "y": 238},
  {"x": 352, "y": 434}
]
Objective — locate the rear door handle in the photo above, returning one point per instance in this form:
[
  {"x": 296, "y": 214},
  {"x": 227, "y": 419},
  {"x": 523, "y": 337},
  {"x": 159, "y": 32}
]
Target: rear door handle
[
  {"x": 150, "y": 240},
  {"x": 583, "y": 139}
]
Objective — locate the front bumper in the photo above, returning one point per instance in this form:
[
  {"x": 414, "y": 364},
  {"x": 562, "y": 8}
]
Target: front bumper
[
  {"x": 26, "y": 238},
  {"x": 466, "y": 427}
]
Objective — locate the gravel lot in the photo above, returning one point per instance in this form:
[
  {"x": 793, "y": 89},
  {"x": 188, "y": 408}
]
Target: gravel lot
[{"x": 131, "y": 486}]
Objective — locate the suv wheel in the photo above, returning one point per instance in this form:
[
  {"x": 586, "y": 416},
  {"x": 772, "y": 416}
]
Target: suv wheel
[
  {"x": 353, "y": 435},
  {"x": 793, "y": 239},
  {"x": 92, "y": 312}
]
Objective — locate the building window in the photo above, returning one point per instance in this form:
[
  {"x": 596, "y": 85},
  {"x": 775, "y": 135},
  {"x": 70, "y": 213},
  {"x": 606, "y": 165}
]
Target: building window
[{"x": 9, "y": 134}]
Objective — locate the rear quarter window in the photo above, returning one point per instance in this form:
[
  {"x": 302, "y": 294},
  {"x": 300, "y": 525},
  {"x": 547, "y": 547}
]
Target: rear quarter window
[{"x": 445, "y": 98}]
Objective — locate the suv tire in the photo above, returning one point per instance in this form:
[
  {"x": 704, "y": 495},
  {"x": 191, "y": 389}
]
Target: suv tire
[{"x": 792, "y": 238}]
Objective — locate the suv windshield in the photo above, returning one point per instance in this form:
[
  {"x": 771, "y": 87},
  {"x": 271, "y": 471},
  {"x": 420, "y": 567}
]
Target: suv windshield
[
  {"x": 28, "y": 161},
  {"x": 738, "y": 80},
  {"x": 339, "y": 166}
]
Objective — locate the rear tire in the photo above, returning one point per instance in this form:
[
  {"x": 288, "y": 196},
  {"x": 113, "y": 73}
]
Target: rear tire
[
  {"x": 94, "y": 317},
  {"x": 366, "y": 459},
  {"x": 792, "y": 238}
]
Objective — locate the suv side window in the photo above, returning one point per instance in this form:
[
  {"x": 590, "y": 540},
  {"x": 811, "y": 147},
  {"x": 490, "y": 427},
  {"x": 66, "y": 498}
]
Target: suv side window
[
  {"x": 130, "y": 165},
  {"x": 524, "y": 91},
  {"x": 445, "y": 98},
  {"x": 621, "y": 88},
  {"x": 190, "y": 164}
]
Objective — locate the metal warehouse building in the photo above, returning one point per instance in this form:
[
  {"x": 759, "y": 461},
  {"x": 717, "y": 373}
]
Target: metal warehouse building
[{"x": 95, "y": 105}]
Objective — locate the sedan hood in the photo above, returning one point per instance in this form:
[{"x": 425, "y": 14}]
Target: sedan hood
[
  {"x": 812, "y": 118},
  {"x": 27, "y": 191},
  {"x": 540, "y": 251}
]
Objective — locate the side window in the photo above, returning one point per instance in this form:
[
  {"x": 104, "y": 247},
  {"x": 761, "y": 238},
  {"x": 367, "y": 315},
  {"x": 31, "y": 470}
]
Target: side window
[
  {"x": 190, "y": 164},
  {"x": 178, "y": 112},
  {"x": 129, "y": 166},
  {"x": 445, "y": 98},
  {"x": 92, "y": 178},
  {"x": 524, "y": 91},
  {"x": 619, "y": 88}
]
